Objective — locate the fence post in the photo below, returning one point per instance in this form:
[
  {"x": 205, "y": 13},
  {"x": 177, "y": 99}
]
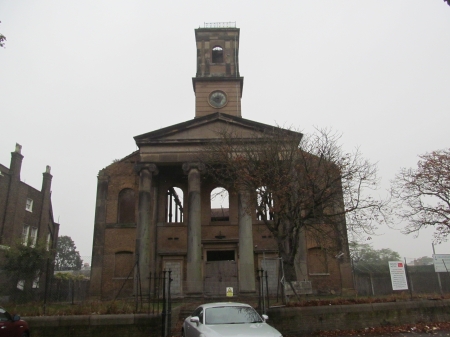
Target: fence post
[
  {"x": 169, "y": 304},
  {"x": 163, "y": 314},
  {"x": 371, "y": 284},
  {"x": 259, "y": 290},
  {"x": 267, "y": 292}
]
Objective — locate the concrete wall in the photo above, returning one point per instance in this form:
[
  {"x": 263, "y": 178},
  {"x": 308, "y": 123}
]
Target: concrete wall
[{"x": 130, "y": 325}]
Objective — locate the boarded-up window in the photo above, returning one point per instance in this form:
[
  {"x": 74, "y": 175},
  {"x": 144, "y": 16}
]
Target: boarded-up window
[
  {"x": 126, "y": 212},
  {"x": 317, "y": 261},
  {"x": 123, "y": 264}
]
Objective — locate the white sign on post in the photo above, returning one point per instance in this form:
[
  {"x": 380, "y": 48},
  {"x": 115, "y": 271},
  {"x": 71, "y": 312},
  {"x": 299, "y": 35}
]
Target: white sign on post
[
  {"x": 441, "y": 263},
  {"x": 398, "y": 275}
]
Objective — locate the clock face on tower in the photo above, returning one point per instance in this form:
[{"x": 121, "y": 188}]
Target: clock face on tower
[{"x": 217, "y": 99}]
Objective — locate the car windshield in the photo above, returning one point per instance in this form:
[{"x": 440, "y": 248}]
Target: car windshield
[{"x": 232, "y": 315}]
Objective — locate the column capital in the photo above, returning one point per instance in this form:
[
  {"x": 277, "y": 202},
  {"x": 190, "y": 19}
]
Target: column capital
[
  {"x": 189, "y": 166},
  {"x": 152, "y": 168}
]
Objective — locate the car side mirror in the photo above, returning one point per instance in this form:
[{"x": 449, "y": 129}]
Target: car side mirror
[
  {"x": 195, "y": 319},
  {"x": 265, "y": 317},
  {"x": 16, "y": 318}
]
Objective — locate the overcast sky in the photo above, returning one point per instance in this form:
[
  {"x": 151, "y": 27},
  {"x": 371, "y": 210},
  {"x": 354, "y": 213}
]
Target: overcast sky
[{"x": 79, "y": 79}]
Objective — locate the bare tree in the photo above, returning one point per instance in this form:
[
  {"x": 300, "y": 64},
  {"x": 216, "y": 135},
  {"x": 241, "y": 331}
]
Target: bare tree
[
  {"x": 300, "y": 185},
  {"x": 422, "y": 195},
  {"x": 2, "y": 39}
]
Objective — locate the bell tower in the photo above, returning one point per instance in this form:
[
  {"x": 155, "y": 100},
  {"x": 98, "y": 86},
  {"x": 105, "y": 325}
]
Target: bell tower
[{"x": 218, "y": 84}]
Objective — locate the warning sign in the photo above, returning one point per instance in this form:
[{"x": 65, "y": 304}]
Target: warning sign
[
  {"x": 229, "y": 291},
  {"x": 441, "y": 263},
  {"x": 398, "y": 276}
]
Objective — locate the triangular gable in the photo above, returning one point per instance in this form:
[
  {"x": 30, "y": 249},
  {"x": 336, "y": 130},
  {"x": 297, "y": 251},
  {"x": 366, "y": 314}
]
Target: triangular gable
[{"x": 202, "y": 129}]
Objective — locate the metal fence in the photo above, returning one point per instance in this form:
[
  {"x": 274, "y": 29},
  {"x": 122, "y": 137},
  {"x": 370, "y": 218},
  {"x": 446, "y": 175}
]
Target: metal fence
[{"x": 421, "y": 280}]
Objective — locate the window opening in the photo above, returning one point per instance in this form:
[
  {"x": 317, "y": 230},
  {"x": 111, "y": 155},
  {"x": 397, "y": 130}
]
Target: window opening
[
  {"x": 264, "y": 199},
  {"x": 217, "y": 54},
  {"x": 174, "y": 209},
  {"x": 220, "y": 255},
  {"x": 220, "y": 210}
]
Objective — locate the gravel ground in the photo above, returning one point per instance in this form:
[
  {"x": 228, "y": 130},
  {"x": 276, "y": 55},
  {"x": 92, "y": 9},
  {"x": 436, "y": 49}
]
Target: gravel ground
[{"x": 410, "y": 330}]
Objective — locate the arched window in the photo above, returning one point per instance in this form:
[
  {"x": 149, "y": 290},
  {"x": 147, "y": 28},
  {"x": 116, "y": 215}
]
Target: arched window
[
  {"x": 123, "y": 264},
  {"x": 264, "y": 207},
  {"x": 217, "y": 54},
  {"x": 317, "y": 261},
  {"x": 174, "y": 209},
  {"x": 126, "y": 206},
  {"x": 220, "y": 204}
]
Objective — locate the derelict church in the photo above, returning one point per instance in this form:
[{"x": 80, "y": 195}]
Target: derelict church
[{"x": 153, "y": 207}]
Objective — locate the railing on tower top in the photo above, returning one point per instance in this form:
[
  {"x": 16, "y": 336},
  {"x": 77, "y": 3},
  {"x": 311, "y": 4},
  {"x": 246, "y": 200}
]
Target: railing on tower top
[{"x": 219, "y": 24}]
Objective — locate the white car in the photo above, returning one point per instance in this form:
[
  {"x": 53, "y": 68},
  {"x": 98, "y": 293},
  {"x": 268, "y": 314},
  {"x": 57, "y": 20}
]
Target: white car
[{"x": 227, "y": 319}]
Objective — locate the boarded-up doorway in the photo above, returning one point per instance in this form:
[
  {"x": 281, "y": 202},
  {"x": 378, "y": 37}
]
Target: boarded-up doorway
[
  {"x": 271, "y": 267},
  {"x": 220, "y": 272},
  {"x": 175, "y": 267}
]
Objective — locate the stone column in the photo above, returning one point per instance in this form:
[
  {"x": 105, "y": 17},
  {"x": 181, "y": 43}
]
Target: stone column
[
  {"x": 301, "y": 258},
  {"x": 246, "y": 258},
  {"x": 194, "y": 280},
  {"x": 145, "y": 254},
  {"x": 95, "y": 290}
]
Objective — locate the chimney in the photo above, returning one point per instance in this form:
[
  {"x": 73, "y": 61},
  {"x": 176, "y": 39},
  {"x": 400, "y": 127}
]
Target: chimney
[
  {"x": 46, "y": 180},
  {"x": 16, "y": 162}
]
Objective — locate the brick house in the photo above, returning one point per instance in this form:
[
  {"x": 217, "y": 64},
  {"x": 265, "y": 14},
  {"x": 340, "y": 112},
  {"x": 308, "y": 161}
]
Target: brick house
[
  {"x": 154, "y": 208},
  {"x": 26, "y": 215}
]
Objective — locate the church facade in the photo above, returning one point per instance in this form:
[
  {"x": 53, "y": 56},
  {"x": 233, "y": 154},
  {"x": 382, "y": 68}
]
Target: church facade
[{"x": 154, "y": 209}]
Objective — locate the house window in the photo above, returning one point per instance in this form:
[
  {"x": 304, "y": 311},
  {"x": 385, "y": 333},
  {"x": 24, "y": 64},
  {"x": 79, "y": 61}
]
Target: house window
[
  {"x": 174, "y": 210},
  {"x": 217, "y": 54},
  {"x": 25, "y": 234},
  {"x": 33, "y": 237},
  {"x": 21, "y": 284},
  {"x": 47, "y": 244},
  {"x": 29, "y": 205},
  {"x": 36, "y": 280}
]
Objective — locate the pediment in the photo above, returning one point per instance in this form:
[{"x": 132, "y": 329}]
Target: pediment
[
  {"x": 202, "y": 129},
  {"x": 185, "y": 141}
]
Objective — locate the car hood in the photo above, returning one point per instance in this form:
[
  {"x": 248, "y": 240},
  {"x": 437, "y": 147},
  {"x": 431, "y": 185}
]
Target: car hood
[{"x": 241, "y": 330}]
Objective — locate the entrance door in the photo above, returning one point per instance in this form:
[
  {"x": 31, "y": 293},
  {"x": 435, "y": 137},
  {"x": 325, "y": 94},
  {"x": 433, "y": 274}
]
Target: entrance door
[{"x": 220, "y": 272}]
